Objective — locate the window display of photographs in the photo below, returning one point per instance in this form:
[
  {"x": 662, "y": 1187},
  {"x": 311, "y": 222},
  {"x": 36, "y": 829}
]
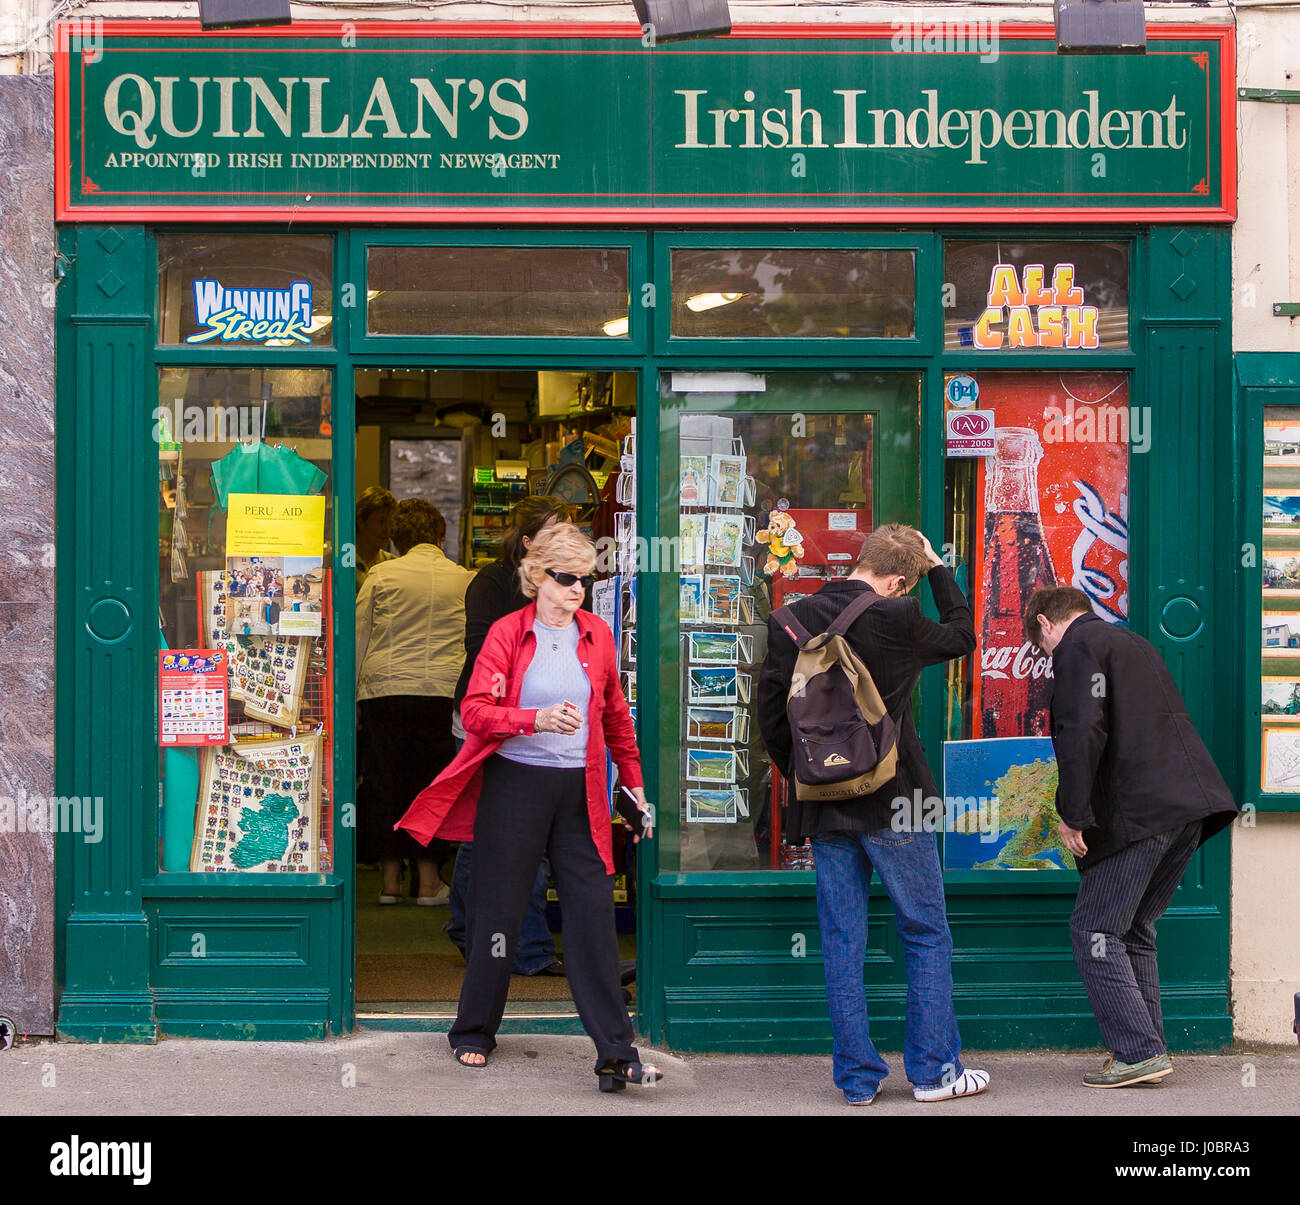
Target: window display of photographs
[
  {"x": 716, "y": 765},
  {"x": 723, "y": 539},
  {"x": 267, "y": 674},
  {"x": 691, "y": 605},
  {"x": 727, "y": 480},
  {"x": 1280, "y": 700},
  {"x": 300, "y": 612},
  {"x": 694, "y": 481},
  {"x": 721, "y": 598},
  {"x": 1281, "y": 443},
  {"x": 1280, "y": 760},
  {"x": 726, "y": 725},
  {"x": 1281, "y": 634},
  {"x": 1281, "y": 572},
  {"x": 1282, "y": 509}
]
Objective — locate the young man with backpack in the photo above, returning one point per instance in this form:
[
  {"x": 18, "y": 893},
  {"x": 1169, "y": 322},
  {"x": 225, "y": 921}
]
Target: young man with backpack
[{"x": 853, "y": 779}]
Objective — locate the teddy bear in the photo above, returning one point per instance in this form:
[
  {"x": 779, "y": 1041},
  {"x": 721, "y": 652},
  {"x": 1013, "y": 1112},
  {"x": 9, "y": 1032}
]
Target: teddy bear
[{"x": 784, "y": 545}]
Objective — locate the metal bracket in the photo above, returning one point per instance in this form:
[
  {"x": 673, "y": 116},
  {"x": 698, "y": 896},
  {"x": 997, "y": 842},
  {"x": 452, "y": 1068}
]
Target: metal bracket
[
  {"x": 1281, "y": 96},
  {"x": 1286, "y": 309}
]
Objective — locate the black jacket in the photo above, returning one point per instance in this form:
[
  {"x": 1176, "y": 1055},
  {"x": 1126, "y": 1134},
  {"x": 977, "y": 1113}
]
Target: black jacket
[
  {"x": 895, "y": 642},
  {"x": 1131, "y": 765},
  {"x": 493, "y": 592}
]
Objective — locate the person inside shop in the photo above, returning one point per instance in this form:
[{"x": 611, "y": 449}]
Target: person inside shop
[
  {"x": 410, "y": 648},
  {"x": 375, "y": 510},
  {"x": 543, "y": 705},
  {"x": 1137, "y": 795},
  {"x": 494, "y": 592}
]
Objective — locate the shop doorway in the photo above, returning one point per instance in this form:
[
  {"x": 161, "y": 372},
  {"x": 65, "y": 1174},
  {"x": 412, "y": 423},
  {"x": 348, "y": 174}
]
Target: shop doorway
[{"x": 474, "y": 443}]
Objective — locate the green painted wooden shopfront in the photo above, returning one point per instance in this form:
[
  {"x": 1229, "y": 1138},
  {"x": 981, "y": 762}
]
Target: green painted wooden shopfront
[{"x": 720, "y": 963}]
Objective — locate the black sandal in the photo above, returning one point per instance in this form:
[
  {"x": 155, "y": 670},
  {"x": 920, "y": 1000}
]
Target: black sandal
[
  {"x": 616, "y": 1074},
  {"x": 461, "y": 1051}
]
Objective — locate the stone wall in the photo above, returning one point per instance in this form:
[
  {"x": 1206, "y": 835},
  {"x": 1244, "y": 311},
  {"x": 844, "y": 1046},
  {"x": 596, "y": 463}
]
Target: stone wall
[{"x": 26, "y": 547}]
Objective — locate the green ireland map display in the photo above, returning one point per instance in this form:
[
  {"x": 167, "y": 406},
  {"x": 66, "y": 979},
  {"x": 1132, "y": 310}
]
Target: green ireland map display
[
  {"x": 266, "y": 832},
  {"x": 1002, "y": 813}
]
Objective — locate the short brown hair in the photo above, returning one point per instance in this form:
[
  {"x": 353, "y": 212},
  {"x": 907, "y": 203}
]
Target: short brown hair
[
  {"x": 373, "y": 498},
  {"x": 417, "y": 521},
  {"x": 561, "y": 547},
  {"x": 892, "y": 549},
  {"x": 1055, "y": 603}
]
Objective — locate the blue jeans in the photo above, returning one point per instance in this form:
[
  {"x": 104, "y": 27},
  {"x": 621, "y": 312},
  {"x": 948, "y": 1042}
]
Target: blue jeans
[
  {"x": 908, "y": 865},
  {"x": 536, "y": 945}
]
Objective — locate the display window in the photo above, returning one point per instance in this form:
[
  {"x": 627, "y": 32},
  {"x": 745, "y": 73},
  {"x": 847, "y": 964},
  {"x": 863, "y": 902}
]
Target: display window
[
  {"x": 233, "y": 291},
  {"x": 1045, "y": 504},
  {"x": 779, "y": 477},
  {"x": 1279, "y": 594},
  {"x": 567, "y": 292},
  {"x": 1022, "y": 295},
  {"x": 245, "y": 712},
  {"x": 757, "y": 292}
]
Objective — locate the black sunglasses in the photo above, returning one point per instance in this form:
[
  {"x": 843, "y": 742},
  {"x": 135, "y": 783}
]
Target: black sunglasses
[{"x": 571, "y": 579}]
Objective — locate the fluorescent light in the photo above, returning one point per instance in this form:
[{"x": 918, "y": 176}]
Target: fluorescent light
[
  {"x": 616, "y": 327},
  {"x": 710, "y": 301}
]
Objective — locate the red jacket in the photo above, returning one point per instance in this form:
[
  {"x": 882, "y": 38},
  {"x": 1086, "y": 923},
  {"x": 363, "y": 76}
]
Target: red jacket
[{"x": 490, "y": 714}]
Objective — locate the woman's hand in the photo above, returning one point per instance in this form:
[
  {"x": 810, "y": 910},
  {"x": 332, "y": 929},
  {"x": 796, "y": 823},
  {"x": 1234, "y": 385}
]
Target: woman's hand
[
  {"x": 646, "y": 810},
  {"x": 563, "y": 718}
]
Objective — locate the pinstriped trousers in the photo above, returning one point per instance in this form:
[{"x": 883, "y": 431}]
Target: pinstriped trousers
[{"x": 1113, "y": 931}]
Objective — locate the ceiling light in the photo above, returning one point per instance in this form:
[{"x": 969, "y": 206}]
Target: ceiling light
[
  {"x": 616, "y": 327},
  {"x": 710, "y": 301}
]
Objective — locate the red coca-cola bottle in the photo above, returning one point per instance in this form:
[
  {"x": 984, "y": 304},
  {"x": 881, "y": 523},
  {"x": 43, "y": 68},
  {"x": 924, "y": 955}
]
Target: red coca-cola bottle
[{"x": 1015, "y": 679}]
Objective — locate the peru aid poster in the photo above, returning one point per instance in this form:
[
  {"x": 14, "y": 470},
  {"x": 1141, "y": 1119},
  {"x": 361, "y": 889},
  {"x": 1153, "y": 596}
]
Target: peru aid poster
[{"x": 1051, "y": 507}]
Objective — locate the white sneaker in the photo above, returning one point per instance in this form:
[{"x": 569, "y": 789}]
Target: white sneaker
[
  {"x": 435, "y": 901},
  {"x": 969, "y": 1083}
]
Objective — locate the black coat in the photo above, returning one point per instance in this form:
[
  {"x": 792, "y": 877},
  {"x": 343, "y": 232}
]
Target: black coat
[
  {"x": 492, "y": 592},
  {"x": 1131, "y": 765},
  {"x": 895, "y": 642}
]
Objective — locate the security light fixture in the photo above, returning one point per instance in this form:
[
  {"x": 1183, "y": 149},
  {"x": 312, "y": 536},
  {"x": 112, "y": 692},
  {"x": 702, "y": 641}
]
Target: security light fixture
[
  {"x": 230, "y": 14},
  {"x": 677, "y": 20},
  {"x": 1100, "y": 27}
]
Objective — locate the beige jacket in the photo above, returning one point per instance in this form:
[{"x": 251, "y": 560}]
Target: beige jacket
[{"x": 411, "y": 625}]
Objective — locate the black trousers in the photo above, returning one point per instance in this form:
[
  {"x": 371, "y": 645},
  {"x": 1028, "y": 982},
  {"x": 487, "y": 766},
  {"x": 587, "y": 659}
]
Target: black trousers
[
  {"x": 404, "y": 743},
  {"x": 1113, "y": 931},
  {"x": 523, "y": 812}
]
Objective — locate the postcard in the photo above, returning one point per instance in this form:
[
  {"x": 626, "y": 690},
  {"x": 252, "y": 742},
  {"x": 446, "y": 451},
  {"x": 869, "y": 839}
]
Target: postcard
[
  {"x": 718, "y": 648},
  {"x": 713, "y": 685},
  {"x": 691, "y": 604},
  {"x": 721, "y": 598},
  {"x": 694, "y": 481},
  {"x": 722, "y": 544},
  {"x": 711, "y": 765},
  {"x": 692, "y": 540},
  {"x": 711, "y": 807},
  {"x": 727, "y": 480}
]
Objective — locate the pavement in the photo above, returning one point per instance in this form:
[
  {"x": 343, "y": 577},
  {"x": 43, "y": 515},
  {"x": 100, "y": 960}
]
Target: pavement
[{"x": 412, "y": 1073}]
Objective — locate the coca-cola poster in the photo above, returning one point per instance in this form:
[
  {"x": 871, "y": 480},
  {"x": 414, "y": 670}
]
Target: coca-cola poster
[{"x": 1051, "y": 508}]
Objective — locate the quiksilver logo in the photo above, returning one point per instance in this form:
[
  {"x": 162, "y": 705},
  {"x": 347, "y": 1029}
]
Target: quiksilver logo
[
  {"x": 90, "y": 1158},
  {"x": 836, "y": 759}
]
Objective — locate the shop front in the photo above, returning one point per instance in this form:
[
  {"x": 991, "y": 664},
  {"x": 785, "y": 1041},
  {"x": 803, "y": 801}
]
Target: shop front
[{"x": 766, "y": 293}]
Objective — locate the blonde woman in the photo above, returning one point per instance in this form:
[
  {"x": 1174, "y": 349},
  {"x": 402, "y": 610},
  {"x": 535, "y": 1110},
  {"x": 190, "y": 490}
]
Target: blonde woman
[{"x": 544, "y": 703}]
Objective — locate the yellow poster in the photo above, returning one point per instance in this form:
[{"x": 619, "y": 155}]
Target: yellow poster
[{"x": 275, "y": 525}]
